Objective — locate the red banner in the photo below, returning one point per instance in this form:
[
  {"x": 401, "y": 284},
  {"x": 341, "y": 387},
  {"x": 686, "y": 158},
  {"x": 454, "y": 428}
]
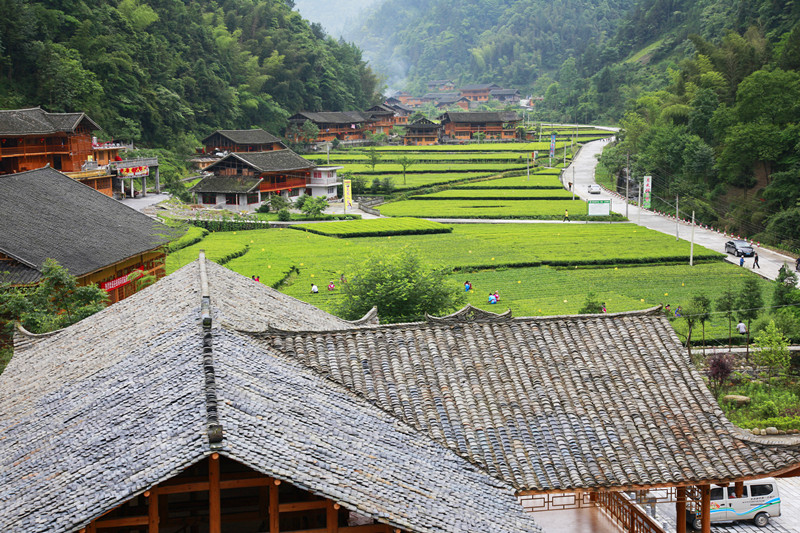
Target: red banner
[
  {"x": 134, "y": 172},
  {"x": 121, "y": 281}
]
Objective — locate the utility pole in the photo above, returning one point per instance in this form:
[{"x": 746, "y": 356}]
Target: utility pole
[
  {"x": 573, "y": 179},
  {"x": 691, "y": 245},
  {"x": 677, "y": 216},
  {"x": 565, "y": 153},
  {"x": 639, "y": 218},
  {"x": 627, "y": 181},
  {"x": 529, "y": 168}
]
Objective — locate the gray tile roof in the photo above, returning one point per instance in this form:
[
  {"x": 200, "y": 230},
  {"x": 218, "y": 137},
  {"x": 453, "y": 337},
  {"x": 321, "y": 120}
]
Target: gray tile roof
[
  {"x": 480, "y": 86},
  {"x": 557, "y": 403},
  {"x": 226, "y": 184},
  {"x": 94, "y": 414},
  {"x": 479, "y": 116},
  {"x": 49, "y": 215},
  {"x": 38, "y": 121},
  {"x": 331, "y": 117},
  {"x": 272, "y": 161},
  {"x": 253, "y": 136}
]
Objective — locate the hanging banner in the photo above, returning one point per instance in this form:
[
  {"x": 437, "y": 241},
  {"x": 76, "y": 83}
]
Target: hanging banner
[
  {"x": 553, "y": 145},
  {"x": 121, "y": 281},
  {"x": 134, "y": 172},
  {"x": 348, "y": 194},
  {"x": 648, "y": 187},
  {"x": 599, "y": 208}
]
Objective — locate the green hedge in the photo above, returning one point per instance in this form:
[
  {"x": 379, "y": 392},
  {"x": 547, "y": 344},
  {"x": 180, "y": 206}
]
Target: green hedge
[
  {"x": 382, "y": 227},
  {"x": 192, "y": 236}
]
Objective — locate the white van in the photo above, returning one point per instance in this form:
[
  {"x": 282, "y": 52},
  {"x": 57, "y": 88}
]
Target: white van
[{"x": 760, "y": 500}]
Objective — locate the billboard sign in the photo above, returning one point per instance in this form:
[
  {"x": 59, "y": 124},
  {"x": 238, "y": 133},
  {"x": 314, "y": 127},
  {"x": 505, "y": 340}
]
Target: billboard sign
[
  {"x": 599, "y": 208},
  {"x": 648, "y": 189}
]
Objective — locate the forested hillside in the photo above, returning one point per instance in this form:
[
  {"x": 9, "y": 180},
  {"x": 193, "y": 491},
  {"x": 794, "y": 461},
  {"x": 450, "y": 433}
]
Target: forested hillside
[{"x": 164, "y": 72}]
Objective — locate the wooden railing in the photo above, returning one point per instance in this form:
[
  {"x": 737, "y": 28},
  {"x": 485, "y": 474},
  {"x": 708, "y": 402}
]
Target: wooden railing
[{"x": 630, "y": 517}]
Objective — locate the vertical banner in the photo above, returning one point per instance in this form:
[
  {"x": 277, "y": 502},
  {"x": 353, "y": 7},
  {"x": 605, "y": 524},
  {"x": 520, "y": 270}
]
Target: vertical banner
[
  {"x": 552, "y": 145},
  {"x": 648, "y": 186},
  {"x": 535, "y": 153},
  {"x": 348, "y": 194}
]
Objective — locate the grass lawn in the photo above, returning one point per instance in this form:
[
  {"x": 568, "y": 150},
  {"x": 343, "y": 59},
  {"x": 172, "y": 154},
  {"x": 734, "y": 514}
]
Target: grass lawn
[
  {"x": 530, "y": 209},
  {"x": 394, "y": 168},
  {"x": 415, "y": 181},
  {"x": 485, "y": 147},
  {"x": 421, "y": 156},
  {"x": 498, "y": 194},
  {"x": 548, "y": 180},
  {"x": 377, "y": 227}
]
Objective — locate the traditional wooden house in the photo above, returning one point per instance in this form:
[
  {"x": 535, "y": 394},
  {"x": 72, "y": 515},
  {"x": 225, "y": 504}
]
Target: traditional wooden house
[
  {"x": 402, "y": 97},
  {"x": 422, "y": 132},
  {"x": 242, "y": 181},
  {"x": 222, "y": 142},
  {"x": 450, "y": 100},
  {"x": 478, "y": 92},
  {"x": 99, "y": 240},
  {"x": 494, "y": 125},
  {"x": 341, "y": 125},
  {"x": 384, "y": 118},
  {"x": 441, "y": 85},
  {"x": 402, "y": 112},
  {"x": 505, "y": 95},
  {"x": 163, "y": 415}
]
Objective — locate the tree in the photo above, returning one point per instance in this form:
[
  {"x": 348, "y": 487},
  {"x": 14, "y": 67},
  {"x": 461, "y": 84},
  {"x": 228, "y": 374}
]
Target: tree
[
  {"x": 786, "y": 292},
  {"x": 54, "y": 303},
  {"x": 373, "y": 157},
  {"x": 773, "y": 352},
  {"x": 720, "y": 367},
  {"x": 591, "y": 306},
  {"x": 402, "y": 286},
  {"x": 310, "y": 131},
  {"x": 727, "y": 305},
  {"x": 702, "y": 306},
  {"x": 314, "y": 206},
  {"x": 405, "y": 162},
  {"x": 748, "y": 306}
]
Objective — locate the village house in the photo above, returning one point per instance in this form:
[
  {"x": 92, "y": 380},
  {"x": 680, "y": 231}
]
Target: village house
[
  {"x": 99, "y": 240},
  {"x": 441, "y": 85},
  {"x": 341, "y": 125},
  {"x": 505, "y": 95},
  {"x": 382, "y": 119},
  {"x": 453, "y": 100},
  {"x": 211, "y": 400},
  {"x": 402, "y": 112},
  {"x": 422, "y": 132},
  {"x": 479, "y": 92},
  {"x": 493, "y": 125},
  {"x": 222, "y": 142}
]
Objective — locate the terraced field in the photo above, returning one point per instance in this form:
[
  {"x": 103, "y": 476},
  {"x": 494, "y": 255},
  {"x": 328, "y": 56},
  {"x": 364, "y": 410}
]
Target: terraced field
[
  {"x": 480, "y": 208},
  {"x": 378, "y": 227},
  {"x": 497, "y": 194}
]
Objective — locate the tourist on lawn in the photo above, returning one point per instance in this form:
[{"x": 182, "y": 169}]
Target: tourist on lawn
[
  {"x": 604, "y": 308},
  {"x": 331, "y": 286},
  {"x": 755, "y": 260},
  {"x": 467, "y": 286},
  {"x": 314, "y": 289},
  {"x": 678, "y": 312},
  {"x": 566, "y": 215},
  {"x": 492, "y": 298}
]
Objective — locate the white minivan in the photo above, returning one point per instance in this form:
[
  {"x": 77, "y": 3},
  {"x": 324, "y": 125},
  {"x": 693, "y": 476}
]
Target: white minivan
[{"x": 760, "y": 500}]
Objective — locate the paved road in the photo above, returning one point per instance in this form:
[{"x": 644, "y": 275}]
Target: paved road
[{"x": 581, "y": 173}]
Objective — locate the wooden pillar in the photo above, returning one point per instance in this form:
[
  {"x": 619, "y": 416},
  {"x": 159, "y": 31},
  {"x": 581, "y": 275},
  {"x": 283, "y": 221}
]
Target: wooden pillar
[
  {"x": 214, "y": 503},
  {"x": 274, "y": 517},
  {"x": 739, "y": 487},
  {"x": 680, "y": 510},
  {"x": 705, "y": 508},
  {"x": 152, "y": 510},
  {"x": 263, "y": 504},
  {"x": 333, "y": 517}
]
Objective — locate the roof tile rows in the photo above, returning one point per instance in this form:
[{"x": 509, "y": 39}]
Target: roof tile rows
[
  {"x": 35, "y": 121},
  {"x": 252, "y": 136},
  {"x": 272, "y": 161}
]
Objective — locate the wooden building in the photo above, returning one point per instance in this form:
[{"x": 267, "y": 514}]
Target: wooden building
[
  {"x": 479, "y": 92},
  {"x": 341, "y": 125},
  {"x": 47, "y": 214},
  {"x": 242, "y": 181},
  {"x": 163, "y": 414},
  {"x": 222, "y": 142},
  {"x": 383, "y": 118},
  {"x": 494, "y": 125},
  {"x": 505, "y": 95},
  {"x": 441, "y": 85},
  {"x": 402, "y": 112},
  {"x": 422, "y": 132}
]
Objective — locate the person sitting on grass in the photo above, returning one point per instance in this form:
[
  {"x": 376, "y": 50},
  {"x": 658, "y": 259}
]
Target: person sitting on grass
[
  {"x": 314, "y": 289},
  {"x": 467, "y": 286},
  {"x": 492, "y": 298},
  {"x": 331, "y": 286}
]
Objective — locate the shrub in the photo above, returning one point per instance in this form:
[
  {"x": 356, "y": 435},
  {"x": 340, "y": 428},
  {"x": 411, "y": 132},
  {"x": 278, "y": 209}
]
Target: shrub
[
  {"x": 263, "y": 208},
  {"x": 591, "y": 305},
  {"x": 720, "y": 367},
  {"x": 298, "y": 204},
  {"x": 284, "y": 215}
]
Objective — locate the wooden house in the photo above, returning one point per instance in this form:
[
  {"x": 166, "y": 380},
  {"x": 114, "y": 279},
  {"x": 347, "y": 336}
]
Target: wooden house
[
  {"x": 222, "y": 142},
  {"x": 450, "y": 100},
  {"x": 402, "y": 97},
  {"x": 494, "y": 125},
  {"x": 242, "y": 181},
  {"x": 422, "y": 132},
  {"x": 383, "y": 118},
  {"x": 401, "y": 111},
  {"x": 341, "y": 125},
  {"x": 441, "y": 85},
  {"x": 99, "y": 240},
  {"x": 478, "y": 92},
  {"x": 163, "y": 415},
  {"x": 505, "y": 95}
]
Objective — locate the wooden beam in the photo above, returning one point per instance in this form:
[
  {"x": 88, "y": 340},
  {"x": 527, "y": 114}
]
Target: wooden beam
[
  {"x": 332, "y": 518},
  {"x": 122, "y": 522},
  {"x": 680, "y": 510},
  {"x": 739, "y": 487},
  {"x": 152, "y": 511},
  {"x": 705, "y": 508},
  {"x": 274, "y": 514},
  {"x": 214, "y": 507},
  {"x": 302, "y": 506}
]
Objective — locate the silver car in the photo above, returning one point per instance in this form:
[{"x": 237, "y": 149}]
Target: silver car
[{"x": 594, "y": 189}]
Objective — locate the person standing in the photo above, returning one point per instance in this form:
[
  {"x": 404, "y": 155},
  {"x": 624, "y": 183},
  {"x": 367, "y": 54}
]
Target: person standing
[
  {"x": 755, "y": 260},
  {"x": 741, "y": 328},
  {"x": 566, "y": 215},
  {"x": 797, "y": 264},
  {"x": 741, "y": 261}
]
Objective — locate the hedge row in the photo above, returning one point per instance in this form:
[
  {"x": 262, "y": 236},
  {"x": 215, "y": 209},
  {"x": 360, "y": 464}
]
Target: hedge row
[{"x": 383, "y": 227}]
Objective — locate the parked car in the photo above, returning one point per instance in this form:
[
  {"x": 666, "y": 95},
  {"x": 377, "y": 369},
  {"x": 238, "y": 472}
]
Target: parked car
[
  {"x": 739, "y": 248},
  {"x": 594, "y": 189},
  {"x": 760, "y": 500}
]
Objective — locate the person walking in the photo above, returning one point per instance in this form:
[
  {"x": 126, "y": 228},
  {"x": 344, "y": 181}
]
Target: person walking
[
  {"x": 741, "y": 328},
  {"x": 566, "y": 215},
  {"x": 755, "y": 260}
]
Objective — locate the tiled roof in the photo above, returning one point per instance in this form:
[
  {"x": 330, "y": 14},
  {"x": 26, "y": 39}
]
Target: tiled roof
[
  {"x": 480, "y": 87},
  {"x": 226, "y": 184},
  {"x": 272, "y": 161},
  {"x": 253, "y": 136},
  {"x": 81, "y": 228},
  {"x": 479, "y": 116},
  {"x": 556, "y": 403},
  {"x": 38, "y": 121},
  {"x": 94, "y": 414},
  {"x": 503, "y": 92},
  {"x": 331, "y": 117}
]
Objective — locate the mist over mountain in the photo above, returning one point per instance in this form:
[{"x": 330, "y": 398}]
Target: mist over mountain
[{"x": 337, "y": 18}]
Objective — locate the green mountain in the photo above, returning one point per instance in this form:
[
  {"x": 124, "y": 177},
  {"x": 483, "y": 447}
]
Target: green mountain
[{"x": 164, "y": 72}]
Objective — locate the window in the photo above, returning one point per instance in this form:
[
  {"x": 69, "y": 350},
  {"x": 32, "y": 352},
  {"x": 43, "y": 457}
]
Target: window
[
  {"x": 732, "y": 492},
  {"x": 716, "y": 493},
  {"x": 760, "y": 490},
  {"x": 208, "y": 198},
  {"x": 232, "y": 199},
  {"x": 252, "y": 198}
]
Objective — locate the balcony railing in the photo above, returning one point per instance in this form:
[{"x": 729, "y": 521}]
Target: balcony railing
[{"x": 289, "y": 183}]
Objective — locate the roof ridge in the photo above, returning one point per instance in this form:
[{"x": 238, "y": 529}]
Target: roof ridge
[{"x": 213, "y": 427}]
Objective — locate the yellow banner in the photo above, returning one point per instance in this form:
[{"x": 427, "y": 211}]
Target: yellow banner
[{"x": 348, "y": 195}]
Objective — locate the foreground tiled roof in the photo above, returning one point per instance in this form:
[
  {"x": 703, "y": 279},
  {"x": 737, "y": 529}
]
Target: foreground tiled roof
[
  {"x": 272, "y": 161},
  {"x": 253, "y": 136},
  {"x": 99, "y": 412},
  {"x": 81, "y": 228},
  {"x": 558, "y": 403},
  {"x": 38, "y": 121}
]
